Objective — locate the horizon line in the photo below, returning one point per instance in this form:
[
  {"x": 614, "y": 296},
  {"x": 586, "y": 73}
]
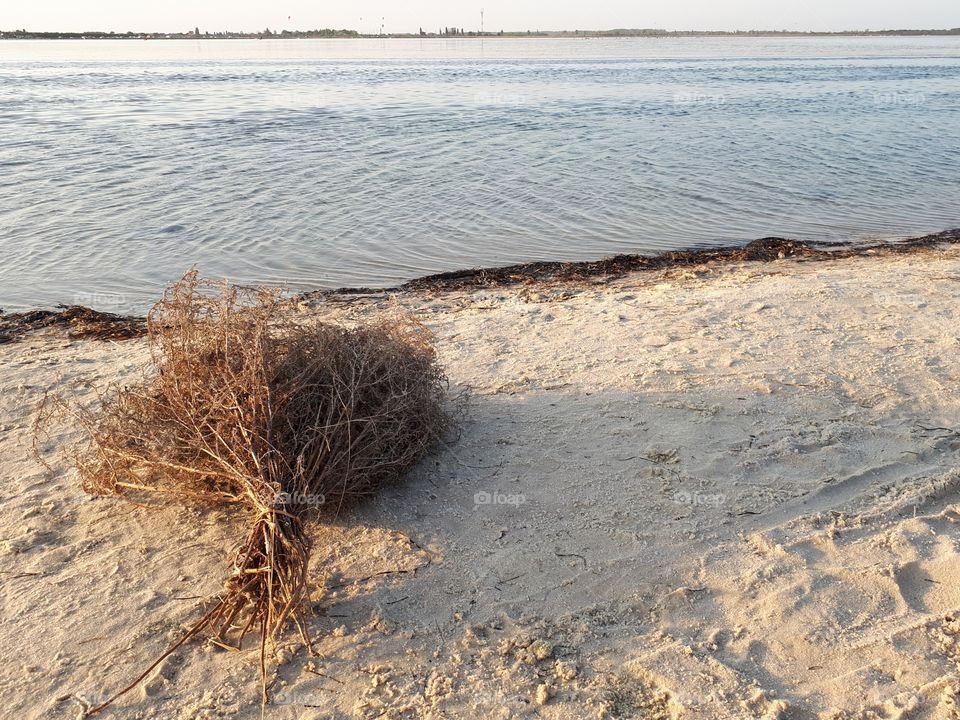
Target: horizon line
[{"x": 452, "y": 32}]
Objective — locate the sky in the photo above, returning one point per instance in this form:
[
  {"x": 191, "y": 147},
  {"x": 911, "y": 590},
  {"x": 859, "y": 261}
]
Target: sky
[{"x": 410, "y": 15}]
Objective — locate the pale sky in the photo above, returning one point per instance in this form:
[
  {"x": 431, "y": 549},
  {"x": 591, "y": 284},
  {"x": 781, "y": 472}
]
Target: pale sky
[{"x": 408, "y": 16}]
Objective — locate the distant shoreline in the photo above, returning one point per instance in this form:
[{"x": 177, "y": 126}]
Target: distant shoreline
[{"x": 455, "y": 33}]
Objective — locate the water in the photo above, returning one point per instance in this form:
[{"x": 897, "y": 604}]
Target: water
[{"x": 334, "y": 163}]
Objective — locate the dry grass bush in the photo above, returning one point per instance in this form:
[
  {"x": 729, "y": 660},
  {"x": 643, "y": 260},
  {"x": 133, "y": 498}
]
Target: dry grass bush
[{"x": 247, "y": 406}]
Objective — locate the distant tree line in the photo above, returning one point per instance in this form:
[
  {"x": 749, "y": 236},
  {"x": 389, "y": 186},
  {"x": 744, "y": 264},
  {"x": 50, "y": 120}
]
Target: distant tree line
[
  {"x": 627, "y": 32},
  {"x": 24, "y": 34},
  {"x": 655, "y": 32},
  {"x": 190, "y": 35}
]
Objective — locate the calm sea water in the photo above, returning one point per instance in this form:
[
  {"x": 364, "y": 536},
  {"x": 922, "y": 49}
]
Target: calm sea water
[{"x": 369, "y": 162}]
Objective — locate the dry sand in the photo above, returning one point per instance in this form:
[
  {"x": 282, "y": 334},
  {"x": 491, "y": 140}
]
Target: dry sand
[{"x": 729, "y": 493}]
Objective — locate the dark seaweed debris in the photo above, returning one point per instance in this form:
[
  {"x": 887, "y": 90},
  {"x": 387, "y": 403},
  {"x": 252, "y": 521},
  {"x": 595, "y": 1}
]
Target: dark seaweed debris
[
  {"x": 763, "y": 250},
  {"x": 80, "y": 322},
  {"x": 617, "y": 265}
]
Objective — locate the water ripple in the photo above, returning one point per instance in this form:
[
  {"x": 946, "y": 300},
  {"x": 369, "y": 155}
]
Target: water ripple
[{"x": 319, "y": 164}]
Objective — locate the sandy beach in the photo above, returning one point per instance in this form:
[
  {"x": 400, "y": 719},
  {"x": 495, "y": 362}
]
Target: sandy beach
[{"x": 727, "y": 491}]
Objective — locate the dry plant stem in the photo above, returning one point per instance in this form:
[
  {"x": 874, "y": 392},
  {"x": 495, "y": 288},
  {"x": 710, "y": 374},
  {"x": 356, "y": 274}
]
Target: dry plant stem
[{"x": 248, "y": 408}]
